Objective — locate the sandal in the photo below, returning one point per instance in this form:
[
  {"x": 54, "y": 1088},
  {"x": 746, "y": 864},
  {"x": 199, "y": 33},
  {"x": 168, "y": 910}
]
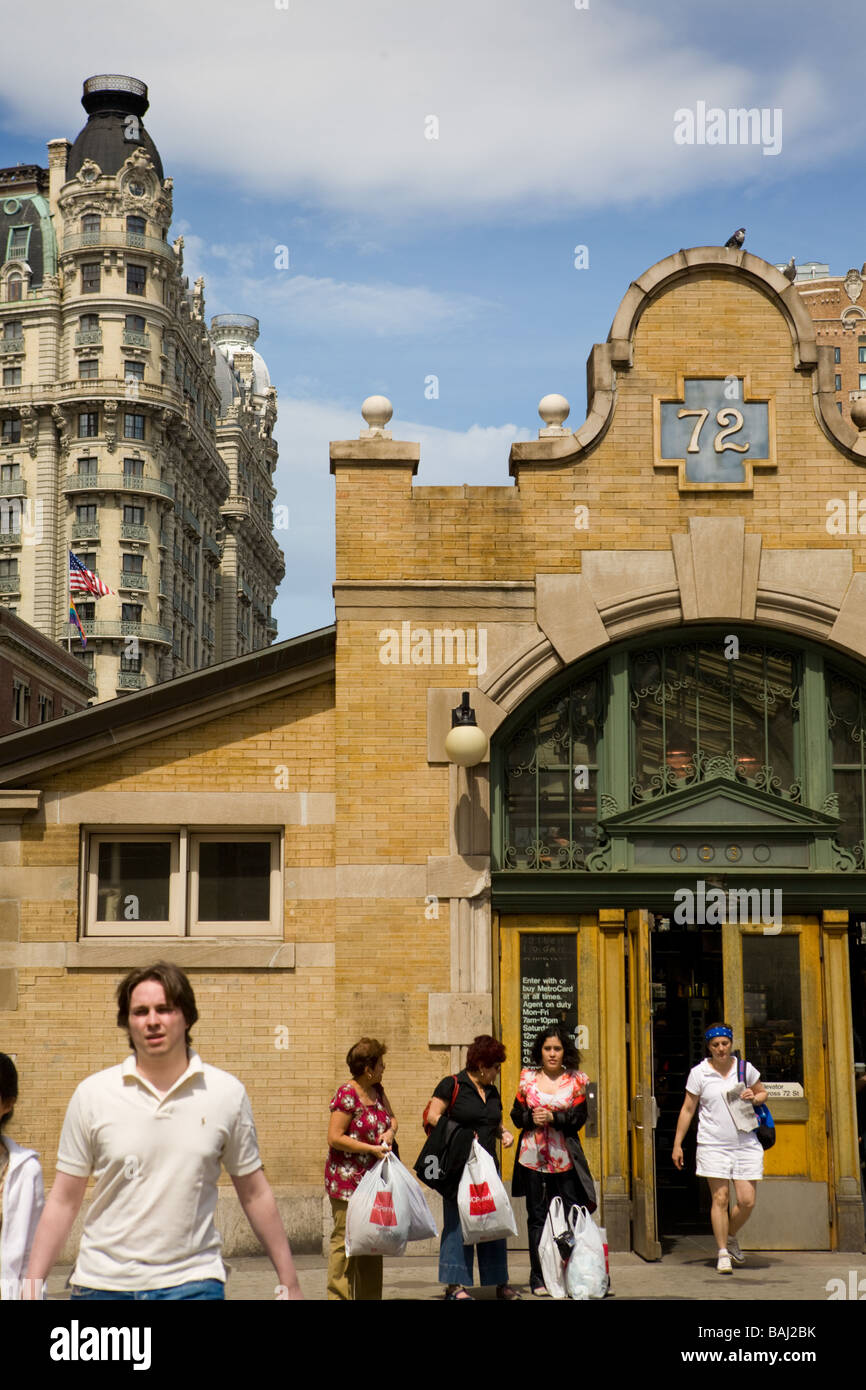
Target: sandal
[
  {"x": 457, "y": 1294},
  {"x": 505, "y": 1291}
]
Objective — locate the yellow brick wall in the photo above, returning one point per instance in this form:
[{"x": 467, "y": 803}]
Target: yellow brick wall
[
  {"x": 366, "y": 740},
  {"x": 64, "y": 1027},
  {"x": 704, "y": 326}
]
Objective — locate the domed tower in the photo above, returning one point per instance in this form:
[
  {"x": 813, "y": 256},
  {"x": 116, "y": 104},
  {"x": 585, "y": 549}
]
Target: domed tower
[
  {"x": 127, "y": 437},
  {"x": 252, "y": 562}
]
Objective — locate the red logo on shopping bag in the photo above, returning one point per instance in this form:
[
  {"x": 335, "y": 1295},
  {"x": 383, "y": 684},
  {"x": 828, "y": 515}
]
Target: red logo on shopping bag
[
  {"x": 383, "y": 1213},
  {"x": 480, "y": 1200}
]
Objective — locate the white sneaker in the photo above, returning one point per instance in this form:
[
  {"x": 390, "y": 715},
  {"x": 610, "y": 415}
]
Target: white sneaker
[
  {"x": 723, "y": 1263},
  {"x": 735, "y": 1252}
]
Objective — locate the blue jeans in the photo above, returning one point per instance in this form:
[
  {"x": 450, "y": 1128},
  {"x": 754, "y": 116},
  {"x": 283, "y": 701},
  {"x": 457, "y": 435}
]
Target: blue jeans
[
  {"x": 196, "y": 1289},
  {"x": 455, "y": 1258}
]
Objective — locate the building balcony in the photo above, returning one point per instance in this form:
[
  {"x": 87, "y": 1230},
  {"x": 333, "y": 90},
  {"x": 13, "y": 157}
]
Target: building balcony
[
  {"x": 163, "y": 540},
  {"x": 271, "y": 626},
  {"x": 132, "y": 581},
  {"x": 212, "y": 547},
  {"x": 108, "y": 237},
  {"x": 129, "y": 531},
  {"x": 236, "y": 506},
  {"x": 85, "y": 530},
  {"x": 187, "y": 611},
  {"x": 137, "y": 340},
  {"x": 10, "y": 538},
  {"x": 88, "y": 337},
  {"x": 244, "y": 591},
  {"x": 13, "y": 487},
  {"x": 114, "y": 387},
  {"x": 10, "y": 346},
  {"x": 131, "y": 680},
  {"x": 116, "y": 482},
  {"x": 148, "y": 632},
  {"x": 207, "y": 633},
  {"x": 192, "y": 523},
  {"x": 11, "y": 584}
]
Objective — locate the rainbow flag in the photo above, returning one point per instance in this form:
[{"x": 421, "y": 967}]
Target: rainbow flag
[{"x": 76, "y": 622}]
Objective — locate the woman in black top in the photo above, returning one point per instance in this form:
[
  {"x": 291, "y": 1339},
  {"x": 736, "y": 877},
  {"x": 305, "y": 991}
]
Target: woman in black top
[{"x": 473, "y": 1103}]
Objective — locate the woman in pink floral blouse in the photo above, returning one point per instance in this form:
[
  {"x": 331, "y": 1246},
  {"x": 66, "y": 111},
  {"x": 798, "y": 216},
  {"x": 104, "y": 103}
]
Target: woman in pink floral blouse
[
  {"x": 361, "y": 1131},
  {"x": 550, "y": 1108}
]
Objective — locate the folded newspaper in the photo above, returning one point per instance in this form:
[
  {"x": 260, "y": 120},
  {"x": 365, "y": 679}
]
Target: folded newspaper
[{"x": 742, "y": 1111}]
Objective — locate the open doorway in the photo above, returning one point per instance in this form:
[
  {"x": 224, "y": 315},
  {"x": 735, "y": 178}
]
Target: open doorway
[{"x": 687, "y": 995}]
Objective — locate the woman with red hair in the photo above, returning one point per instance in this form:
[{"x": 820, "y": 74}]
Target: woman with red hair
[{"x": 471, "y": 1101}]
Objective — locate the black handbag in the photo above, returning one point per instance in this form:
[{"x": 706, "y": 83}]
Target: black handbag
[{"x": 432, "y": 1162}]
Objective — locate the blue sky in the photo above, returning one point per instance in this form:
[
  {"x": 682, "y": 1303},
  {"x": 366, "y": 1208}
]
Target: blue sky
[{"x": 306, "y": 127}]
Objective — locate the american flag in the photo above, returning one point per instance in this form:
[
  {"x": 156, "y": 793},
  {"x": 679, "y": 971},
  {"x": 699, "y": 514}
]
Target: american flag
[{"x": 84, "y": 581}]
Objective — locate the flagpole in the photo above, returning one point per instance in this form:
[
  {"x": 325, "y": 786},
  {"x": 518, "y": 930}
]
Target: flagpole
[{"x": 69, "y": 605}]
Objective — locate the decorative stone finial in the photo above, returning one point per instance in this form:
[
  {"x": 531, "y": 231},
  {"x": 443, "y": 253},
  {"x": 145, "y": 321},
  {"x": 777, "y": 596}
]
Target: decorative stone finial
[
  {"x": 554, "y": 411},
  {"x": 858, "y": 412},
  {"x": 377, "y": 411}
]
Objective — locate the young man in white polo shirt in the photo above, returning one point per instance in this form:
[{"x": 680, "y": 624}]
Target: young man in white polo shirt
[{"x": 153, "y": 1133}]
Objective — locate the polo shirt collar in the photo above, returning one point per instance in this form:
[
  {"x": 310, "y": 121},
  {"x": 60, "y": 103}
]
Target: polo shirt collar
[{"x": 195, "y": 1067}]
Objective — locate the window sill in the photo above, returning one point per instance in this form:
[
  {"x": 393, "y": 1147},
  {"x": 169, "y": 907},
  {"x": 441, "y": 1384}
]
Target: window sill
[{"x": 193, "y": 952}]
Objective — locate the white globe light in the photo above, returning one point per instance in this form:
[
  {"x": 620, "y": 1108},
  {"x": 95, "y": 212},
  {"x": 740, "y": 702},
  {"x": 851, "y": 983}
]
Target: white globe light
[{"x": 466, "y": 744}]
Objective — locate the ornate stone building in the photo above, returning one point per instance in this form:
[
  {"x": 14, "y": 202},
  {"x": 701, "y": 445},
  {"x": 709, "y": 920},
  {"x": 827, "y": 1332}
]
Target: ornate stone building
[{"x": 128, "y": 433}]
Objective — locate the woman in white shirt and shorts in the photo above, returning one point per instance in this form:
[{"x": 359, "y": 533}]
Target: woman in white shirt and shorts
[{"x": 725, "y": 1153}]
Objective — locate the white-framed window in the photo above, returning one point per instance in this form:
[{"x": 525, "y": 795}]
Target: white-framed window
[
  {"x": 20, "y": 701},
  {"x": 183, "y": 882},
  {"x": 133, "y": 885}
]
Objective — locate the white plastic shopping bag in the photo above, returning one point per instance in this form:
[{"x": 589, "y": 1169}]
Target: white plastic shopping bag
[
  {"x": 485, "y": 1211},
  {"x": 422, "y": 1224},
  {"x": 379, "y": 1214},
  {"x": 552, "y": 1263},
  {"x": 585, "y": 1273}
]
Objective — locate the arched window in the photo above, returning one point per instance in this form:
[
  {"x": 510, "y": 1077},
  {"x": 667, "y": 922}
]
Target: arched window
[
  {"x": 15, "y": 287},
  {"x": 616, "y": 752},
  {"x": 698, "y": 707}
]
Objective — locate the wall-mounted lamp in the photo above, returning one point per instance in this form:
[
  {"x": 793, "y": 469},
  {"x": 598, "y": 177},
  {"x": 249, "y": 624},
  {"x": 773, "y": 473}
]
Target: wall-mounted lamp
[{"x": 465, "y": 743}]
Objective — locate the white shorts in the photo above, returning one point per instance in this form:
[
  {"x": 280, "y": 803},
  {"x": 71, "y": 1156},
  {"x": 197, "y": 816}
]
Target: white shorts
[{"x": 744, "y": 1160}]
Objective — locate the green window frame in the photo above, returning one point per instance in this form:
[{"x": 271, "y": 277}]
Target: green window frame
[{"x": 20, "y": 251}]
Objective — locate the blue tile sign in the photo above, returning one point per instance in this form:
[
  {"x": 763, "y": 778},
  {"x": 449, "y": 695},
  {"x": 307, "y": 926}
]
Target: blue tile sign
[{"x": 715, "y": 432}]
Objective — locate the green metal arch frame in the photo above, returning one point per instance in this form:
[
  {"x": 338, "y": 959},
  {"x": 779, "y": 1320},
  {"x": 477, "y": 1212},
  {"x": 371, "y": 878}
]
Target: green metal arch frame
[{"x": 576, "y": 888}]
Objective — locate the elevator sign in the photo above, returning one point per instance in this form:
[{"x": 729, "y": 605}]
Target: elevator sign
[{"x": 715, "y": 433}]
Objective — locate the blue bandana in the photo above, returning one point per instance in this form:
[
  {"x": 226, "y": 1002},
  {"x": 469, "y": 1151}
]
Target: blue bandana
[{"x": 718, "y": 1033}]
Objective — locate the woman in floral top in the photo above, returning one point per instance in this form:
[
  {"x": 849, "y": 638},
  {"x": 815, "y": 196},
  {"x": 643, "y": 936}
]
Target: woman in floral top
[
  {"x": 361, "y": 1131},
  {"x": 550, "y": 1108}
]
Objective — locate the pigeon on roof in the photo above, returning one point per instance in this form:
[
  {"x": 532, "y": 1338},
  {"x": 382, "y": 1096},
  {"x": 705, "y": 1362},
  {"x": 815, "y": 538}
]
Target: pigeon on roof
[
  {"x": 736, "y": 241},
  {"x": 790, "y": 271}
]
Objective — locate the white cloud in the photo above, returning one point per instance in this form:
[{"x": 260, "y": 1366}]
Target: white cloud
[
  {"x": 541, "y": 107},
  {"x": 322, "y": 305}
]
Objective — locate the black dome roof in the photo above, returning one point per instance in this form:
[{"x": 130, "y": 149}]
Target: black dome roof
[{"x": 108, "y": 101}]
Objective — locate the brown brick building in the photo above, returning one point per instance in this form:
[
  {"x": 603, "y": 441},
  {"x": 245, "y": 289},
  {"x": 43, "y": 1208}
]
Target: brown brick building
[
  {"x": 666, "y": 644},
  {"x": 38, "y": 679},
  {"x": 838, "y": 311}
]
